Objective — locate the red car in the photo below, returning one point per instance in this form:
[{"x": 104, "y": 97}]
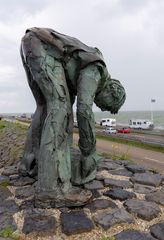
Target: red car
[{"x": 123, "y": 130}]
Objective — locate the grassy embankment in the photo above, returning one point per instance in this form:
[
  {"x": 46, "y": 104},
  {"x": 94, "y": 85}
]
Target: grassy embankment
[{"x": 12, "y": 138}]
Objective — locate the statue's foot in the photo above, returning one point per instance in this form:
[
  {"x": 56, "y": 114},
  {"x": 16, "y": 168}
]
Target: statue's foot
[
  {"x": 75, "y": 197},
  {"x": 88, "y": 171},
  {"x": 28, "y": 166},
  {"x": 80, "y": 181},
  {"x": 22, "y": 170}
]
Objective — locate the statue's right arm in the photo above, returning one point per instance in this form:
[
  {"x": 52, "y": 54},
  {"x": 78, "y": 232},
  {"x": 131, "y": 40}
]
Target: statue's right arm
[{"x": 86, "y": 89}]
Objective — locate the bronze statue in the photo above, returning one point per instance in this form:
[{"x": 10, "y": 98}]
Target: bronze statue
[{"x": 58, "y": 69}]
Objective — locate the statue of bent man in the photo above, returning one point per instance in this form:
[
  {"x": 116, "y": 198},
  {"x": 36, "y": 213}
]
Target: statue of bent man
[{"x": 58, "y": 69}]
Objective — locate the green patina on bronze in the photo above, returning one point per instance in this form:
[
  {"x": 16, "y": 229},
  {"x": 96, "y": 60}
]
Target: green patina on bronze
[{"x": 58, "y": 69}]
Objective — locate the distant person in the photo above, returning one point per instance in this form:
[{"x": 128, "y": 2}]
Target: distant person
[{"x": 59, "y": 68}]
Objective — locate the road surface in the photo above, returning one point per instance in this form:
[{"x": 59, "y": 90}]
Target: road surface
[{"x": 150, "y": 159}]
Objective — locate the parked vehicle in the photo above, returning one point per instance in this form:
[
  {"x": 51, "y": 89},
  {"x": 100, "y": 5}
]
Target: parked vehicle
[
  {"x": 108, "y": 122},
  {"x": 110, "y": 130},
  {"x": 123, "y": 130},
  {"x": 141, "y": 124}
]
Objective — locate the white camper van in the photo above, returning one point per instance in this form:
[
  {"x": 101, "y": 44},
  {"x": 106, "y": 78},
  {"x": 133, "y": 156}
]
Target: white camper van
[
  {"x": 108, "y": 122},
  {"x": 141, "y": 124}
]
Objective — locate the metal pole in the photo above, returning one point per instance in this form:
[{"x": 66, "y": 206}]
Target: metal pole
[
  {"x": 152, "y": 101},
  {"x": 151, "y": 111}
]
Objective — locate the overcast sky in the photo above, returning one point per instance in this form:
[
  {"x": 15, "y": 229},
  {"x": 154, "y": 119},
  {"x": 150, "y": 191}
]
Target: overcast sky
[{"x": 129, "y": 33}]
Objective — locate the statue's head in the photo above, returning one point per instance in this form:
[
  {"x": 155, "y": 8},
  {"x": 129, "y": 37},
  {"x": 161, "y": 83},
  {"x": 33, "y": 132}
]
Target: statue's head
[{"x": 111, "y": 97}]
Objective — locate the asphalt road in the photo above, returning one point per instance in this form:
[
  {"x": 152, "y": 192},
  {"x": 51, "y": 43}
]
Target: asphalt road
[{"x": 148, "y": 158}]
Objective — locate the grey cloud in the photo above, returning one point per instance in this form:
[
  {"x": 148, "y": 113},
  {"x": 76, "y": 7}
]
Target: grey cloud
[
  {"x": 10, "y": 9},
  {"x": 129, "y": 33},
  {"x": 130, "y": 6}
]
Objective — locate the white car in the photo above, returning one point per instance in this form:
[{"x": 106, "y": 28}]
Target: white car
[{"x": 110, "y": 130}]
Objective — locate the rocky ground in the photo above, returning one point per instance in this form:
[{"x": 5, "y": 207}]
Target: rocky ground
[{"x": 128, "y": 201}]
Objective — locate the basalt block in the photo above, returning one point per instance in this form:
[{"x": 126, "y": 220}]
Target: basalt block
[
  {"x": 133, "y": 235},
  {"x": 117, "y": 183},
  {"x": 121, "y": 172},
  {"x": 95, "y": 184},
  {"x": 147, "y": 179},
  {"x": 100, "y": 204},
  {"x": 143, "y": 209},
  {"x": 156, "y": 196},
  {"x": 135, "y": 168},
  {"x": 109, "y": 218},
  {"x": 157, "y": 230},
  {"x": 144, "y": 189},
  {"x": 75, "y": 222},
  {"x": 120, "y": 194}
]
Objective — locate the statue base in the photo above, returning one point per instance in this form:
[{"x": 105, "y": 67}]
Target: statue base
[{"x": 76, "y": 197}]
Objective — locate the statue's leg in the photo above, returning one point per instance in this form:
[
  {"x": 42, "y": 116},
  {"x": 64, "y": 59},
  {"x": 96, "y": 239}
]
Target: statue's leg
[
  {"x": 29, "y": 160},
  {"x": 87, "y": 87},
  {"x": 54, "y": 165}
]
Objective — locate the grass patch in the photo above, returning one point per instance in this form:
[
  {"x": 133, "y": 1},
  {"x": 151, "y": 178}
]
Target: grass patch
[
  {"x": 115, "y": 156},
  {"x": 8, "y": 232},
  {"x": 19, "y": 127},
  {"x": 14, "y": 151},
  {"x": 4, "y": 183},
  {"x": 131, "y": 143},
  {"x": 2, "y": 125},
  {"x": 107, "y": 238}
]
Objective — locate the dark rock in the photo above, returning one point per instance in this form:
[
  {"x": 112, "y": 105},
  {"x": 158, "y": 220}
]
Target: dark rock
[
  {"x": 24, "y": 192},
  {"x": 22, "y": 181},
  {"x": 39, "y": 223},
  {"x": 157, "y": 230},
  {"x": 109, "y": 218},
  {"x": 14, "y": 136},
  {"x": 95, "y": 184},
  {"x": 108, "y": 165},
  {"x": 145, "y": 210},
  {"x": 95, "y": 193},
  {"x": 75, "y": 222},
  {"x": 64, "y": 209},
  {"x": 157, "y": 196},
  {"x": 100, "y": 204},
  {"x": 10, "y": 170},
  {"x": 8, "y": 206},
  {"x": 133, "y": 235},
  {"x": 4, "y": 180},
  {"x": 4, "y": 193},
  {"x": 139, "y": 188},
  {"x": 135, "y": 168},
  {"x": 7, "y": 221},
  {"x": 121, "y": 172},
  {"x": 27, "y": 204},
  {"x": 117, "y": 183},
  {"x": 121, "y": 162},
  {"x": 147, "y": 179},
  {"x": 120, "y": 194}
]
